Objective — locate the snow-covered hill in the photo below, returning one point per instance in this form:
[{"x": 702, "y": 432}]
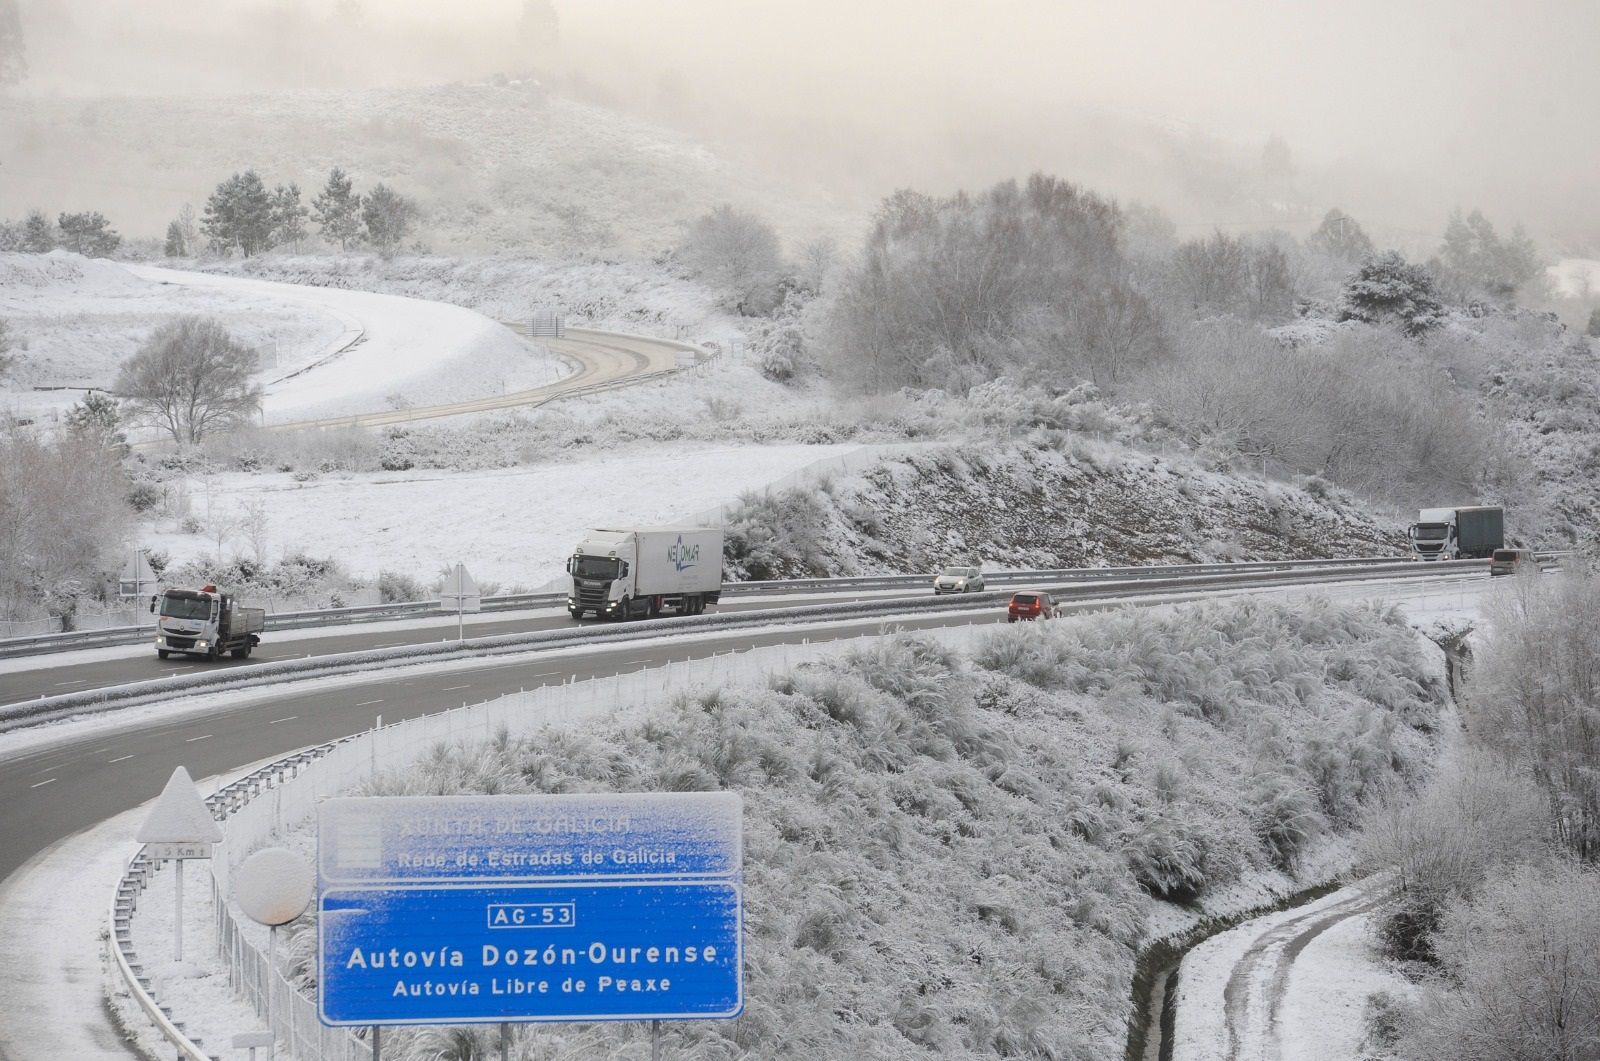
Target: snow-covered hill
[
  {"x": 323, "y": 352},
  {"x": 493, "y": 167}
]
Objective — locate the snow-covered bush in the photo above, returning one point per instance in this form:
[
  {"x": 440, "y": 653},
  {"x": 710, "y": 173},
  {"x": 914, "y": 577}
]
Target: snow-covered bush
[
  {"x": 777, "y": 535},
  {"x": 1521, "y": 971}
]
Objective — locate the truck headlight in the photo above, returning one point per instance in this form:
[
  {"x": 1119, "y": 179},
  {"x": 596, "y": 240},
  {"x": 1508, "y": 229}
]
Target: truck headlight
[{"x": 201, "y": 644}]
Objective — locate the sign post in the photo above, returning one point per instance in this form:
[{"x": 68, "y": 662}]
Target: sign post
[
  {"x": 180, "y": 827},
  {"x": 138, "y": 580},
  {"x": 273, "y": 887},
  {"x": 461, "y": 593},
  {"x": 500, "y": 909}
]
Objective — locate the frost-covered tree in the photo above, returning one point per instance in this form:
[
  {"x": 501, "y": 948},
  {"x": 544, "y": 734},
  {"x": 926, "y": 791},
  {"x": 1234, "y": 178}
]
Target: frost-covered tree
[
  {"x": 1522, "y": 972},
  {"x": 1341, "y": 236},
  {"x": 1535, "y": 697},
  {"x": 387, "y": 217},
  {"x": 1473, "y": 251},
  {"x": 38, "y": 234},
  {"x": 191, "y": 377},
  {"x": 736, "y": 253},
  {"x": 99, "y": 418},
  {"x": 88, "y": 234},
  {"x": 1227, "y": 274},
  {"x": 13, "y": 48},
  {"x": 1593, "y": 331},
  {"x": 63, "y": 518},
  {"x": 1388, "y": 288},
  {"x": 175, "y": 245},
  {"x": 8, "y": 359},
  {"x": 190, "y": 228},
  {"x": 337, "y": 210},
  {"x": 288, "y": 217},
  {"x": 950, "y": 293},
  {"x": 239, "y": 215}
]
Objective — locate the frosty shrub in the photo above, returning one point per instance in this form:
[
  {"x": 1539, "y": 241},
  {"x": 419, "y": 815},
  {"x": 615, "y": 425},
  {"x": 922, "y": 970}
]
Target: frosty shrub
[
  {"x": 1473, "y": 816},
  {"x": 777, "y": 535},
  {"x": 394, "y": 587},
  {"x": 1522, "y": 972},
  {"x": 1534, "y": 696},
  {"x": 943, "y": 859}
]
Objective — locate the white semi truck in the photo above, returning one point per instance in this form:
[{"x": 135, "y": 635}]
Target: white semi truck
[
  {"x": 1469, "y": 533},
  {"x": 206, "y": 623},
  {"x": 641, "y": 571}
]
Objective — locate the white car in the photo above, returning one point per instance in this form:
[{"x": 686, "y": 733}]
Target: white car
[{"x": 958, "y": 580}]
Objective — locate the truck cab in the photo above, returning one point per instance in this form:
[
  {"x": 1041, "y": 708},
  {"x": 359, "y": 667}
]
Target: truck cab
[
  {"x": 1468, "y": 532},
  {"x": 206, "y": 623}
]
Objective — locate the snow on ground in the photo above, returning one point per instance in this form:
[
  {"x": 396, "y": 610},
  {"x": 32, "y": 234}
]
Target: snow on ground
[
  {"x": 1323, "y": 1007},
  {"x": 74, "y": 320},
  {"x": 1576, "y": 277},
  {"x": 410, "y": 351},
  {"x": 627, "y": 295},
  {"x": 51, "y": 957},
  {"x": 515, "y": 525}
]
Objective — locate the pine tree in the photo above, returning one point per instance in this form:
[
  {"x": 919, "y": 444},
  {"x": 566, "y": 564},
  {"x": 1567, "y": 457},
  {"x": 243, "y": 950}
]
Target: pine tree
[
  {"x": 288, "y": 216},
  {"x": 337, "y": 210},
  {"x": 1341, "y": 236},
  {"x": 38, "y": 235},
  {"x": 239, "y": 214},
  {"x": 1390, "y": 288},
  {"x": 388, "y": 216},
  {"x": 1593, "y": 331},
  {"x": 1474, "y": 252},
  {"x": 89, "y": 234},
  {"x": 176, "y": 248},
  {"x": 99, "y": 418}
]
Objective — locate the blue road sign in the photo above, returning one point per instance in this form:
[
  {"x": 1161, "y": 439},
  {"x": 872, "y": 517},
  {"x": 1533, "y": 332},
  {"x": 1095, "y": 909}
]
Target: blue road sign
[{"x": 474, "y": 909}]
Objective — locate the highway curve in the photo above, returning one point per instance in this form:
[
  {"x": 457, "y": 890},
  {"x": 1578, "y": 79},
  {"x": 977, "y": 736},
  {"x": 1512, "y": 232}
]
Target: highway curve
[{"x": 604, "y": 359}]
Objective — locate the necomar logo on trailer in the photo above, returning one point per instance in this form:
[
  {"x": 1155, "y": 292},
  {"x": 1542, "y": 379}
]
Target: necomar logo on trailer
[
  {"x": 683, "y": 556},
  {"x": 453, "y": 910}
]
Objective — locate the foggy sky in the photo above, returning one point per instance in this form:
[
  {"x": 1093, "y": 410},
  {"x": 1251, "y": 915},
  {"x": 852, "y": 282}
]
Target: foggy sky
[{"x": 1416, "y": 105}]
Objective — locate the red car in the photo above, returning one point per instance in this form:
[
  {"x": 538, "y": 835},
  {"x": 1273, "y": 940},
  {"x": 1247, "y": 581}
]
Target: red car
[{"x": 1030, "y": 604}]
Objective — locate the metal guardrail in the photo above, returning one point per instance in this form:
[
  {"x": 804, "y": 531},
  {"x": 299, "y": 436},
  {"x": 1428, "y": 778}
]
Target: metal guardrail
[
  {"x": 104, "y": 698},
  {"x": 370, "y": 613}
]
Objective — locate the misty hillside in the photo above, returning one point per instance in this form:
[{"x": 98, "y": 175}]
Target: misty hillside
[{"x": 493, "y": 166}]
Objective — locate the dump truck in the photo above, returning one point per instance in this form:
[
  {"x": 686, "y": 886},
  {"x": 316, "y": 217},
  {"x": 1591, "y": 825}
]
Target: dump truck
[
  {"x": 644, "y": 571},
  {"x": 206, "y": 623},
  {"x": 1470, "y": 533}
]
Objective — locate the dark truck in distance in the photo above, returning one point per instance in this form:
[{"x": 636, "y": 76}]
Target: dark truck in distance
[
  {"x": 205, "y": 623},
  {"x": 1471, "y": 533}
]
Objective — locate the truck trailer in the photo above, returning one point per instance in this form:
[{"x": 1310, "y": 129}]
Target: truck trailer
[
  {"x": 642, "y": 571},
  {"x": 205, "y": 623},
  {"x": 1469, "y": 533}
]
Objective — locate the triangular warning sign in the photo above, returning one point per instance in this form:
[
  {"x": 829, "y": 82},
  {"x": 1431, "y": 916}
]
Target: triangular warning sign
[{"x": 179, "y": 816}]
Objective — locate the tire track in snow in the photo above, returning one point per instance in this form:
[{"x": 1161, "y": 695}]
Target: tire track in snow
[{"x": 1255, "y": 991}]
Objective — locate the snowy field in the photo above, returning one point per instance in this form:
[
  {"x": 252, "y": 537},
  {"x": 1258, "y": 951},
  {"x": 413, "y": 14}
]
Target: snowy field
[
  {"x": 324, "y": 352},
  {"x": 512, "y": 526},
  {"x": 1576, "y": 277}
]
